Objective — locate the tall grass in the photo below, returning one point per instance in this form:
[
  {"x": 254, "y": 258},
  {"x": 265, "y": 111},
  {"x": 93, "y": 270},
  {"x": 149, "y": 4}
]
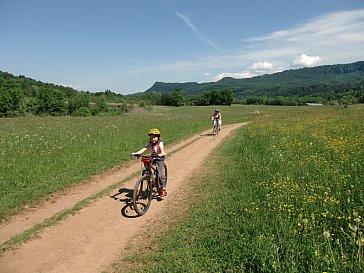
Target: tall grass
[
  {"x": 289, "y": 197},
  {"x": 39, "y": 156}
]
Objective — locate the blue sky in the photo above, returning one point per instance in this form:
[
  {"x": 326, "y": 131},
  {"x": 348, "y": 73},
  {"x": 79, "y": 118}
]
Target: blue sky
[{"x": 127, "y": 45}]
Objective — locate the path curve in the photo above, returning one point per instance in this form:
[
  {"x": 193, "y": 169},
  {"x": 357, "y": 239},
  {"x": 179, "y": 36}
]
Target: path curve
[{"x": 92, "y": 238}]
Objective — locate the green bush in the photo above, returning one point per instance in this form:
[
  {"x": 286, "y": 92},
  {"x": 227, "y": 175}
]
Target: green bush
[{"x": 82, "y": 112}]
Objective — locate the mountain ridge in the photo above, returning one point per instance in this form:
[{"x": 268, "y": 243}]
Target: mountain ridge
[{"x": 327, "y": 75}]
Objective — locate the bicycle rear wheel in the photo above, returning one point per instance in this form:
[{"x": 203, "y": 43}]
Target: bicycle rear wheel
[
  {"x": 215, "y": 130},
  {"x": 165, "y": 174},
  {"x": 142, "y": 195}
]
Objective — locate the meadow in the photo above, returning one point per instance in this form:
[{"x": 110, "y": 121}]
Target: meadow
[
  {"x": 287, "y": 195},
  {"x": 42, "y": 155}
]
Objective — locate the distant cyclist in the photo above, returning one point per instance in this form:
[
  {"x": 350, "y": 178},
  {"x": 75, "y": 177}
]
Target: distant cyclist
[
  {"x": 217, "y": 116},
  {"x": 156, "y": 147}
]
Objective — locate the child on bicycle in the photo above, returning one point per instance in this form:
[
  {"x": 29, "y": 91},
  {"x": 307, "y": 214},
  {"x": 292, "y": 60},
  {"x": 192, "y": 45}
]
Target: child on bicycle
[
  {"x": 217, "y": 116},
  {"x": 156, "y": 147}
]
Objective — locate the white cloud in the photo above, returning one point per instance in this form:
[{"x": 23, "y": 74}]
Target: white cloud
[
  {"x": 261, "y": 66},
  {"x": 328, "y": 39},
  {"x": 334, "y": 38},
  {"x": 239, "y": 75},
  {"x": 304, "y": 60},
  {"x": 256, "y": 69},
  {"x": 319, "y": 29},
  {"x": 76, "y": 87}
]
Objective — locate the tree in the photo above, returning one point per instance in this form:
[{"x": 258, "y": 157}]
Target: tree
[
  {"x": 77, "y": 101},
  {"x": 10, "y": 97},
  {"x": 227, "y": 97},
  {"x": 100, "y": 105},
  {"x": 28, "y": 106},
  {"x": 214, "y": 97},
  {"x": 346, "y": 100},
  {"x": 51, "y": 101},
  {"x": 175, "y": 98}
]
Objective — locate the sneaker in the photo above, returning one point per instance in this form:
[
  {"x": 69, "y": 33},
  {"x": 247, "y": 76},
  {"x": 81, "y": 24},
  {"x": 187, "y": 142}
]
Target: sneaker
[{"x": 163, "y": 192}]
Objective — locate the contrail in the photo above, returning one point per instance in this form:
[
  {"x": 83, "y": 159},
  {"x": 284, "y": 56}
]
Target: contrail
[{"x": 195, "y": 30}]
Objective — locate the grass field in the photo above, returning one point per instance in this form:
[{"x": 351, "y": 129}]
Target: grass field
[
  {"x": 288, "y": 197},
  {"x": 39, "y": 156}
]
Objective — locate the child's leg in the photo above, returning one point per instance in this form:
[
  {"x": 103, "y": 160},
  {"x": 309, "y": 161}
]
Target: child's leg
[{"x": 160, "y": 167}]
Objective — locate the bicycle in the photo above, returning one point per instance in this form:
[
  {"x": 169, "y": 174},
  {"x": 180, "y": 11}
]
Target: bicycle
[
  {"x": 215, "y": 127},
  {"x": 146, "y": 188}
]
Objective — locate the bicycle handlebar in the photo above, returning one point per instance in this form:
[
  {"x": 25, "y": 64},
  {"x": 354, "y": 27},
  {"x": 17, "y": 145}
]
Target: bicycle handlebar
[{"x": 150, "y": 156}]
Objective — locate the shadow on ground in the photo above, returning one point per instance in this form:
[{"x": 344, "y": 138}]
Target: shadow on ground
[{"x": 125, "y": 196}]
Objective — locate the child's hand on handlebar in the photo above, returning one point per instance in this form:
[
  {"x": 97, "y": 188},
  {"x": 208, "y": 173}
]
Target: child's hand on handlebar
[{"x": 157, "y": 155}]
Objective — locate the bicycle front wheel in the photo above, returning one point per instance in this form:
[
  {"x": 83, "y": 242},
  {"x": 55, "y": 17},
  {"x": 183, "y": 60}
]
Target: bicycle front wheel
[{"x": 142, "y": 195}]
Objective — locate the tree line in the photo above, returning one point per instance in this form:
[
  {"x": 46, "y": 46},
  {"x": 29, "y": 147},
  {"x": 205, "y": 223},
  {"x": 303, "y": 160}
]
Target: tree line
[
  {"x": 178, "y": 98},
  {"x": 22, "y": 96},
  {"x": 328, "y": 81}
]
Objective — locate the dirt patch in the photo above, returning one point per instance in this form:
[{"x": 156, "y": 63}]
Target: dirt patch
[
  {"x": 134, "y": 255},
  {"x": 92, "y": 239}
]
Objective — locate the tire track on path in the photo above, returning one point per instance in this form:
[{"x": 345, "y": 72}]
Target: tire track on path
[
  {"x": 92, "y": 238},
  {"x": 68, "y": 198}
]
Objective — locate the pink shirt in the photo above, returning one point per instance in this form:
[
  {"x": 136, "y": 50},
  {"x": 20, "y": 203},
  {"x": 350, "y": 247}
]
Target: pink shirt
[
  {"x": 155, "y": 148},
  {"x": 217, "y": 116}
]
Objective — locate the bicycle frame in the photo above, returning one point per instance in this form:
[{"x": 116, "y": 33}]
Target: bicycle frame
[
  {"x": 150, "y": 169},
  {"x": 215, "y": 127},
  {"x": 146, "y": 188}
]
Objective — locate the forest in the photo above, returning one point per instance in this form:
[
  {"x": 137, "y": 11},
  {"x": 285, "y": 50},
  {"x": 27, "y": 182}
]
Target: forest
[{"x": 330, "y": 84}]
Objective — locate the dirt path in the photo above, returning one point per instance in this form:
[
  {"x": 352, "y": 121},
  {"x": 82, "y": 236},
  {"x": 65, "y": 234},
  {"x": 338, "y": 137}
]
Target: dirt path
[{"x": 91, "y": 239}]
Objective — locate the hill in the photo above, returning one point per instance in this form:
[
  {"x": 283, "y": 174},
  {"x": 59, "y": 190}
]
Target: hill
[
  {"x": 343, "y": 83},
  {"x": 316, "y": 81},
  {"x": 20, "y": 96}
]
